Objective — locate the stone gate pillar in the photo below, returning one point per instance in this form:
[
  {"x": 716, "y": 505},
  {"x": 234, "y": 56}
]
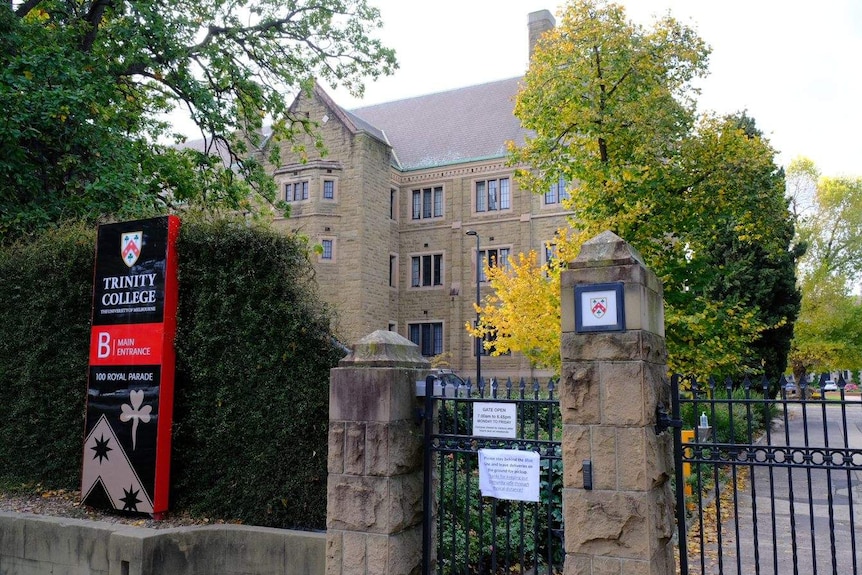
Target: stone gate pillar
[
  {"x": 374, "y": 487},
  {"x": 619, "y": 512}
]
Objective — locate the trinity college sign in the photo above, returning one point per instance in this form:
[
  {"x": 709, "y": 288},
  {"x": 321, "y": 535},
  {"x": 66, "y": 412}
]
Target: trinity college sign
[{"x": 127, "y": 440}]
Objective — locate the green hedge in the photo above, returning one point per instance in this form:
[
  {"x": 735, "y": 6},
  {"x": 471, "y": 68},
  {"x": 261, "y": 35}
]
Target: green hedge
[
  {"x": 253, "y": 357},
  {"x": 45, "y": 295}
]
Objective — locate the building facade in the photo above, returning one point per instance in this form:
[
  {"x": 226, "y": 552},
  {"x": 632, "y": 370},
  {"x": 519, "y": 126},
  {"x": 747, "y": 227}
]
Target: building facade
[{"x": 392, "y": 201}]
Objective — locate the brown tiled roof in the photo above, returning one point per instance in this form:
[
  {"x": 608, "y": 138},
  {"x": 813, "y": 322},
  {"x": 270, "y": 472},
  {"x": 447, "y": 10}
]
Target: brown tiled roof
[{"x": 471, "y": 123}]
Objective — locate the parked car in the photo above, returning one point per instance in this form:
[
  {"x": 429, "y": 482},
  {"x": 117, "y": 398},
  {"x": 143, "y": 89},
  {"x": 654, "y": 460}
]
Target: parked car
[
  {"x": 829, "y": 385},
  {"x": 448, "y": 377}
]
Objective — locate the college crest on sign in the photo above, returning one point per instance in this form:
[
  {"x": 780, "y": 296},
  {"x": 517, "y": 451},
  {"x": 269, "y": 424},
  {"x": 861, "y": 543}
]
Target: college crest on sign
[
  {"x": 130, "y": 247},
  {"x": 598, "y": 306}
]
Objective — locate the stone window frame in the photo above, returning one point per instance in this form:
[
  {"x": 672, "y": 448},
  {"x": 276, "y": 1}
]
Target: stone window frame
[
  {"x": 436, "y": 282},
  {"x": 331, "y": 240},
  {"x": 417, "y": 210},
  {"x": 549, "y": 252},
  {"x": 393, "y": 270},
  {"x": 434, "y": 349},
  {"x": 323, "y": 182},
  {"x": 479, "y": 268},
  {"x": 306, "y": 195},
  {"x": 313, "y": 175},
  {"x": 557, "y": 192},
  {"x": 488, "y": 352},
  {"x": 481, "y": 198}
]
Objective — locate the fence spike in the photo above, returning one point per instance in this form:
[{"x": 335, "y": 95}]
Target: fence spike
[
  {"x": 764, "y": 384},
  {"x": 712, "y": 386}
]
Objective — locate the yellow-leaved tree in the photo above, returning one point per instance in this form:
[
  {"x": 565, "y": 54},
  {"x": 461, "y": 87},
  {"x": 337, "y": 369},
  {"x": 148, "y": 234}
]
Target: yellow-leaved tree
[
  {"x": 523, "y": 311},
  {"x": 612, "y": 111}
]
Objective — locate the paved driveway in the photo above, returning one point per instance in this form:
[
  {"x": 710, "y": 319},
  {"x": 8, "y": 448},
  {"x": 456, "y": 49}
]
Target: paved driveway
[{"x": 801, "y": 520}]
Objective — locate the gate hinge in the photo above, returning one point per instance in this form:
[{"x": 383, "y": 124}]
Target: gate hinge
[{"x": 663, "y": 420}]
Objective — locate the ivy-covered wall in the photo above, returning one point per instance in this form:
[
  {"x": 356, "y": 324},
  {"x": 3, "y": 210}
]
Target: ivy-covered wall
[{"x": 253, "y": 357}]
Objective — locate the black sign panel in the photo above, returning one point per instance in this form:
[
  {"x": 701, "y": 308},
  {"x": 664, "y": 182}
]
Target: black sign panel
[{"x": 129, "y": 288}]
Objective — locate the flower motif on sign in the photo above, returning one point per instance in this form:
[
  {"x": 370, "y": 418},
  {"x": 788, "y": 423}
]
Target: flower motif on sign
[{"x": 135, "y": 412}]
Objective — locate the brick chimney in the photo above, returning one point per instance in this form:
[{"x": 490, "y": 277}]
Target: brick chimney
[{"x": 539, "y": 22}]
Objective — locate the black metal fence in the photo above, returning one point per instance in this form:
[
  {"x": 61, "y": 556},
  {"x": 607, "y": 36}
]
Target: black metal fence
[
  {"x": 767, "y": 478},
  {"x": 473, "y": 534}
]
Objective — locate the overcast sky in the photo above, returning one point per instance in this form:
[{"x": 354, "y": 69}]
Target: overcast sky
[{"x": 794, "y": 65}]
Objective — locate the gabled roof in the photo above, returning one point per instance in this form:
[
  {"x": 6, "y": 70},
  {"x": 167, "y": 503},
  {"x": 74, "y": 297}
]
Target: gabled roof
[
  {"x": 350, "y": 121},
  {"x": 462, "y": 125},
  {"x": 472, "y": 123}
]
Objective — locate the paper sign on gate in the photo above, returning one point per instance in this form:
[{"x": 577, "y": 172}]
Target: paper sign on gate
[
  {"x": 495, "y": 419},
  {"x": 509, "y": 474}
]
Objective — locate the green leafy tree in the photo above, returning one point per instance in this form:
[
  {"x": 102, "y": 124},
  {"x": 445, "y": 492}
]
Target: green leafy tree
[
  {"x": 613, "y": 111},
  {"x": 829, "y": 331},
  {"x": 85, "y": 87},
  {"x": 741, "y": 254}
]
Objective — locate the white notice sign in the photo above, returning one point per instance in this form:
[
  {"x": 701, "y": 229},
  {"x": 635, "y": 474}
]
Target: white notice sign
[
  {"x": 495, "y": 419},
  {"x": 509, "y": 474}
]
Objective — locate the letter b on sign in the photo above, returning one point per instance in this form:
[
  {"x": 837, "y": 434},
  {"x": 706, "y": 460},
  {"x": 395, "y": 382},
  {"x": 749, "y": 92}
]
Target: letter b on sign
[{"x": 104, "y": 347}]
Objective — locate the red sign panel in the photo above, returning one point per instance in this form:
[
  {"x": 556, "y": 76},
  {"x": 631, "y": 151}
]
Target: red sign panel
[
  {"x": 125, "y": 344},
  {"x": 127, "y": 441}
]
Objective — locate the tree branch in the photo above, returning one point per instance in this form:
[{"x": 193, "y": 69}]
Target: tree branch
[
  {"x": 25, "y": 8},
  {"x": 94, "y": 18},
  {"x": 214, "y": 31}
]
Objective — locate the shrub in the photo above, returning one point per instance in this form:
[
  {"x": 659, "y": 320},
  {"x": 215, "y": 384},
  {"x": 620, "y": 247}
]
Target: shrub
[
  {"x": 254, "y": 353},
  {"x": 45, "y": 304},
  {"x": 253, "y": 357}
]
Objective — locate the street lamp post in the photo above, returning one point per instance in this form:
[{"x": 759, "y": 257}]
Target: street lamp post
[{"x": 478, "y": 302}]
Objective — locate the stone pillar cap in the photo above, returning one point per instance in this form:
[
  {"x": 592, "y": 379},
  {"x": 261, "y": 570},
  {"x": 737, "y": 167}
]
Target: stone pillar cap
[
  {"x": 383, "y": 348},
  {"x": 606, "y": 249}
]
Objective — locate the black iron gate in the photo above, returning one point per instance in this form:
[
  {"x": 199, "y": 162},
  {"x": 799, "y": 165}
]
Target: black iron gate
[
  {"x": 473, "y": 534},
  {"x": 766, "y": 479}
]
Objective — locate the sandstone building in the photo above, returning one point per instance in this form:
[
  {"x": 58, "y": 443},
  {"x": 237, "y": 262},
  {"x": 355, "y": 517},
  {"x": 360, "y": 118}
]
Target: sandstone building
[{"x": 392, "y": 200}]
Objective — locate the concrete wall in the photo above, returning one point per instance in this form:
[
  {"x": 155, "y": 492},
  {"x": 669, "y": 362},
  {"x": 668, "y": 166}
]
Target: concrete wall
[{"x": 35, "y": 545}]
